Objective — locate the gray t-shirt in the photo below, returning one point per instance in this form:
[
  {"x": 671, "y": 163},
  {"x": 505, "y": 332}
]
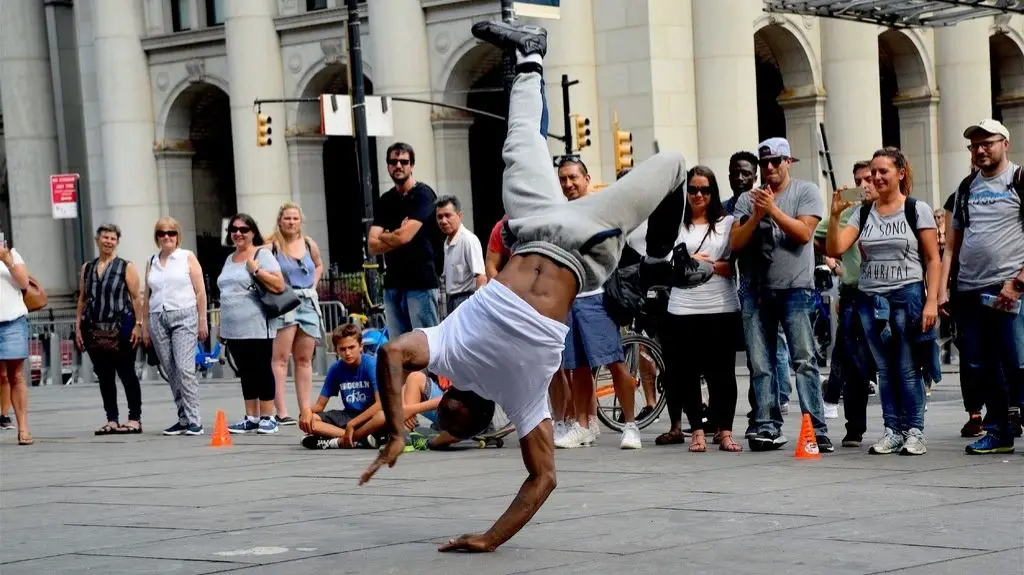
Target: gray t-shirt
[
  {"x": 241, "y": 314},
  {"x": 890, "y": 255},
  {"x": 992, "y": 250},
  {"x": 792, "y": 263}
]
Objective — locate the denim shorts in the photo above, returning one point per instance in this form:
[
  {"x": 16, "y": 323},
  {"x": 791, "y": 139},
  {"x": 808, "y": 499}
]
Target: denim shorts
[
  {"x": 593, "y": 339},
  {"x": 306, "y": 316},
  {"x": 14, "y": 339}
]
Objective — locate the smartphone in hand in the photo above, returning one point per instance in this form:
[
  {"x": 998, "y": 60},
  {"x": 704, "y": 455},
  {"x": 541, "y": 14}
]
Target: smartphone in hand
[{"x": 854, "y": 195}]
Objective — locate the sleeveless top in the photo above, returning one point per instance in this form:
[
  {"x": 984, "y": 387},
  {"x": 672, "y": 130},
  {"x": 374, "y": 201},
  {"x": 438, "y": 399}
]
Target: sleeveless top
[
  {"x": 298, "y": 272},
  {"x": 106, "y": 296},
  {"x": 170, "y": 284}
]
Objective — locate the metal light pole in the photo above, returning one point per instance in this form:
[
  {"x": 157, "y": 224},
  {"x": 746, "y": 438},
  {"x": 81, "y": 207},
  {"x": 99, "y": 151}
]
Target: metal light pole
[{"x": 358, "y": 89}]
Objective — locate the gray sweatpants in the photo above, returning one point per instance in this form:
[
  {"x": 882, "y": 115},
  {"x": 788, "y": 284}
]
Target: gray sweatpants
[
  {"x": 588, "y": 235},
  {"x": 174, "y": 335}
]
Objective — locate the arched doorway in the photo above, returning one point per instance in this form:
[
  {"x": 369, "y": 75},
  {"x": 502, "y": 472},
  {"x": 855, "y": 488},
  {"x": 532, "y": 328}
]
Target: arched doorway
[
  {"x": 198, "y": 173},
  {"x": 1007, "y": 70},
  {"x": 789, "y": 104},
  {"x": 335, "y": 220},
  {"x": 476, "y": 82},
  {"x": 908, "y": 107}
]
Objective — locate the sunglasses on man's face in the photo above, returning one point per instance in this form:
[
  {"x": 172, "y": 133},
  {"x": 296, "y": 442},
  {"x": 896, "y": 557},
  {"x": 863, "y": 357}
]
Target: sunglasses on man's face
[
  {"x": 239, "y": 229},
  {"x": 397, "y": 161},
  {"x": 775, "y": 162},
  {"x": 167, "y": 233}
]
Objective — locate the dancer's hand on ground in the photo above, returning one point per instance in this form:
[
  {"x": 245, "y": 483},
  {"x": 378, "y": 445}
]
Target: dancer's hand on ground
[
  {"x": 473, "y": 543},
  {"x": 389, "y": 456}
]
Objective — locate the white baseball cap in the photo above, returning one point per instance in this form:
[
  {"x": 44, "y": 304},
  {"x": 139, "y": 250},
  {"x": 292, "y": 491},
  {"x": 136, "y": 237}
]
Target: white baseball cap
[{"x": 989, "y": 126}]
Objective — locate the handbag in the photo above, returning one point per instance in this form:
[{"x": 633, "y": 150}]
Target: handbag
[
  {"x": 34, "y": 295},
  {"x": 103, "y": 336},
  {"x": 275, "y": 304}
]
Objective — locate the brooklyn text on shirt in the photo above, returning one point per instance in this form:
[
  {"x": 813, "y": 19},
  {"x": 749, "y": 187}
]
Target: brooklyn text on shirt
[{"x": 354, "y": 385}]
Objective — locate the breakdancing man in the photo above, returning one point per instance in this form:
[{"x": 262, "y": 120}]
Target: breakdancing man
[{"x": 504, "y": 343}]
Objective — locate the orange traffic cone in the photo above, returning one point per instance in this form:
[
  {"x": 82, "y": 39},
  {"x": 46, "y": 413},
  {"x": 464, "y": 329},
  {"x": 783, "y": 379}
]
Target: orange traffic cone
[
  {"x": 807, "y": 444},
  {"x": 221, "y": 437}
]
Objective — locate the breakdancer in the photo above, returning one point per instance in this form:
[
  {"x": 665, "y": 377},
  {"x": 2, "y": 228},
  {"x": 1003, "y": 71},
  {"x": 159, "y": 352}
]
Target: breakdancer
[{"x": 504, "y": 343}]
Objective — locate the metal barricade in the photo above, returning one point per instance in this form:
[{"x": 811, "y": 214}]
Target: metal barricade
[{"x": 53, "y": 359}]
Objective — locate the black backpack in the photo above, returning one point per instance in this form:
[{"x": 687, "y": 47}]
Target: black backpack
[
  {"x": 960, "y": 211},
  {"x": 910, "y": 212}
]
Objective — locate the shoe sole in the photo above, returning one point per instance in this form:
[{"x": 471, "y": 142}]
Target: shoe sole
[
  {"x": 262, "y": 432},
  {"x": 195, "y": 433},
  {"x": 625, "y": 445},
  {"x": 851, "y": 444},
  {"x": 240, "y": 431},
  {"x": 292, "y": 422},
  {"x": 172, "y": 433},
  {"x": 995, "y": 451}
]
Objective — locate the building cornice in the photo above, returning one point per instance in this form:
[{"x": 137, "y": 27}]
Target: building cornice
[{"x": 187, "y": 39}]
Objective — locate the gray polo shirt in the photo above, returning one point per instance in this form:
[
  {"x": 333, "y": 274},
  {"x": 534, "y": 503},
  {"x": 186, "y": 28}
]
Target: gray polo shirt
[{"x": 463, "y": 261}]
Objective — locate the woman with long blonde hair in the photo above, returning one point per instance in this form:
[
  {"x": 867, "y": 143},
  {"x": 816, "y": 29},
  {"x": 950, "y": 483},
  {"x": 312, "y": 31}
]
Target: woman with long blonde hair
[{"x": 297, "y": 330}]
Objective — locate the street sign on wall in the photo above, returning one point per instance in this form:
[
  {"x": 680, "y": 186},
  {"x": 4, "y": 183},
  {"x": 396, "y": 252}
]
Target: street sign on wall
[
  {"x": 64, "y": 196},
  {"x": 336, "y": 115},
  {"x": 537, "y": 8}
]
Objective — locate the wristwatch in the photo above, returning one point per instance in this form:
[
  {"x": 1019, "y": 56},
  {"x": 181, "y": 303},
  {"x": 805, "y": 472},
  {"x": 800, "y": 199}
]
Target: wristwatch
[{"x": 1018, "y": 285}]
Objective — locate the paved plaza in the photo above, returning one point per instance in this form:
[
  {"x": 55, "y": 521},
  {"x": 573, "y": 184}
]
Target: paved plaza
[{"x": 76, "y": 503}]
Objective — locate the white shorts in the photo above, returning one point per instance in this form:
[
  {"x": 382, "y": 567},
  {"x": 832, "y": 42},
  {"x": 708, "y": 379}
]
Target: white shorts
[{"x": 497, "y": 346}]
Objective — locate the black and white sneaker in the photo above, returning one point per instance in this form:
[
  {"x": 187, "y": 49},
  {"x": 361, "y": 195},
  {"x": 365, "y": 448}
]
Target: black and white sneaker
[
  {"x": 194, "y": 429},
  {"x": 524, "y": 38},
  {"x": 824, "y": 444},
  {"x": 319, "y": 442},
  {"x": 767, "y": 441},
  {"x": 6, "y": 423},
  {"x": 286, "y": 420},
  {"x": 176, "y": 429}
]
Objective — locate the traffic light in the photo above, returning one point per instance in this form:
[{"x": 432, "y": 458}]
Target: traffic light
[
  {"x": 263, "y": 130},
  {"x": 623, "y": 146},
  {"x": 582, "y": 132}
]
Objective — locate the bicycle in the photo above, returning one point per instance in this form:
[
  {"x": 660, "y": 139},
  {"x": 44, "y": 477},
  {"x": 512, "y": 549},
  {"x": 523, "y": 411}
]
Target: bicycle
[
  {"x": 645, "y": 363},
  {"x": 204, "y": 361}
]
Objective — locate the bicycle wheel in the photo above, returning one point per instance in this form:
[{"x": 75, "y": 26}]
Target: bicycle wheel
[
  {"x": 645, "y": 363},
  {"x": 230, "y": 361},
  {"x": 163, "y": 374}
]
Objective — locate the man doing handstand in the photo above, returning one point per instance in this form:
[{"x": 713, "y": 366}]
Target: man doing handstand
[{"x": 503, "y": 344}]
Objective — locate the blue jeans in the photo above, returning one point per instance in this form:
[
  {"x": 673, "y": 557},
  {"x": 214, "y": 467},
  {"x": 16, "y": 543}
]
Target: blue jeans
[
  {"x": 407, "y": 310},
  {"x": 993, "y": 339},
  {"x": 791, "y": 309},
  {"x": 892, "y": 329},
  {"x": 782, "y": 373}
]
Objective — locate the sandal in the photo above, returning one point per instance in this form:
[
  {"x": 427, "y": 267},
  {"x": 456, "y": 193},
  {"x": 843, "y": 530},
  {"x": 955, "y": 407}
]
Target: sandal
[
  {"x": 129, "y": 428},
  {"x": 109, "y": 428},
  {"x": 729, "y": 445},
  {"x": 697, "y": 444},
  {"x": 25, "y": 438},
  {"x": 670, "y": 438}
]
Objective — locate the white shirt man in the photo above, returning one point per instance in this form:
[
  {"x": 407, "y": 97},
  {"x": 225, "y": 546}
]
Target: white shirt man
[{"x": 463, "y": 254}]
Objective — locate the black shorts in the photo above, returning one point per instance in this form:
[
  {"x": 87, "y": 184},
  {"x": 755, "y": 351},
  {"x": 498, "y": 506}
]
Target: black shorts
[{"x": 336, "y": 417}]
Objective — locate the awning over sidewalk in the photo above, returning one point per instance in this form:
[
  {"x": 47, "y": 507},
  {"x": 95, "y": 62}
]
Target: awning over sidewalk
[{"x": 898, "y": 13}]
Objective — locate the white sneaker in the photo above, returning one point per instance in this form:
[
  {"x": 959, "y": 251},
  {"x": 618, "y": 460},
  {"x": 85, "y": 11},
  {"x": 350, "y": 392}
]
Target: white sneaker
[
  {"x": 630, "y": 437},
  {"x": 831, "y": 410},
  {"x": 576, "y": 436},
  {"x": 595, "y": 427},
  {"x": 914, "y": 443},
  {"x": 560, "y": 428},
  {"x": 890, "y": 442}
]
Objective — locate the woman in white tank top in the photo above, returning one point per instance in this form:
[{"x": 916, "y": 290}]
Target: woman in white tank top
[{"x": 703, "y": 324}]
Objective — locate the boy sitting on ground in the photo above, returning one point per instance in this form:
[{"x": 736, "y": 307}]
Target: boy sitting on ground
[{"x": 354, "y": 379}]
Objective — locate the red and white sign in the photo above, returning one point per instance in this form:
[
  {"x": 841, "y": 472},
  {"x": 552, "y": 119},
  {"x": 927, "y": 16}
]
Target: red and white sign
[{"x": 64, "y": 196}]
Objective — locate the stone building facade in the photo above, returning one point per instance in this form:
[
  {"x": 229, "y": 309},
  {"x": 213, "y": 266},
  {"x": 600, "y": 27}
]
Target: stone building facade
[{"x": 152, "y": 102}]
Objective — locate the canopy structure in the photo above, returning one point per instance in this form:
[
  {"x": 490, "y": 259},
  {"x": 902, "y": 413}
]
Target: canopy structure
[{"x": 898, "y": 13}]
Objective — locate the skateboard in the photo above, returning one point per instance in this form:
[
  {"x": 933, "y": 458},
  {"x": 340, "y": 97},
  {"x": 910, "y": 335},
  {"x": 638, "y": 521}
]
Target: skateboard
[{"x": 495, "y": 438}]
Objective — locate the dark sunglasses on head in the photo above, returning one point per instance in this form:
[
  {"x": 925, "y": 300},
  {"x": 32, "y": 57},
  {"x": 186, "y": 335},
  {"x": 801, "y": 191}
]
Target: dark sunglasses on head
[
  {"x": 694, "y": 190},
  {"x": 396, "y": 161},
  {"x": 167, "y": 233},
  {"x": 239, "y": 229}
]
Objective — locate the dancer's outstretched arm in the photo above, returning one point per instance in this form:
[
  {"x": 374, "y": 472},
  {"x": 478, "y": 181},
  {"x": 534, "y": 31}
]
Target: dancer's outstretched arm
[{"x": 538, "y": 449}]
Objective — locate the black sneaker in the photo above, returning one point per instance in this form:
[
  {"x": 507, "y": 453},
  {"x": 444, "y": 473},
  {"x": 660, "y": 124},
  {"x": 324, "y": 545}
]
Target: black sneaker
[
  {"x": 176, "y": 429},
  {"x": 824, "y": 444},
  {"x": 766, "y": 441},
  {"x": 1014, "y": 422},
  {"x": 194, "y": 429},
  {"x": 853, "y": 440},
  {"x": 973, "y": 427},
  {"x": 318, "y": 442},
  {"x": 688, "y": 272},
  {"x": 286, "y": 420},
  {"x": 6, "y": 423},
  {"x": 526, "y": 39}
]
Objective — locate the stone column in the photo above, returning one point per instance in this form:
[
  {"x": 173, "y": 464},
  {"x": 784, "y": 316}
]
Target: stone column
[
  {"x": 30, "y": 132},
  {"x": 803, "y": 114},
  {"x": 853, "y": 114},
  {"x": 262, "y": 181},
  {"x": 673, "y": 85},
  {"x": 571, "y": 51},
  {"x": 90, "y": 110},
  {"x": 723, "y": 51},
  {"x": 965, "y": 95},
  {"x": 174, "y": 172},
  {"x": 126, "y": 126},
  {"x": 451, "y": 136},
  {"x": 919, "y": 139},
  {"x": 398, "y": 34},
  {"x": 306, "y": 156},
  {"x": 1013, "y": 118}
]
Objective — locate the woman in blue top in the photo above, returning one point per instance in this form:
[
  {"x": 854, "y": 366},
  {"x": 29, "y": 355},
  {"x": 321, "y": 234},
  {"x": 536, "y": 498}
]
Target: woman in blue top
[
  {"x": 899, "y": 290},
  {"x": 244, "y": 325},
  {"x": 298, "y": 330}
]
